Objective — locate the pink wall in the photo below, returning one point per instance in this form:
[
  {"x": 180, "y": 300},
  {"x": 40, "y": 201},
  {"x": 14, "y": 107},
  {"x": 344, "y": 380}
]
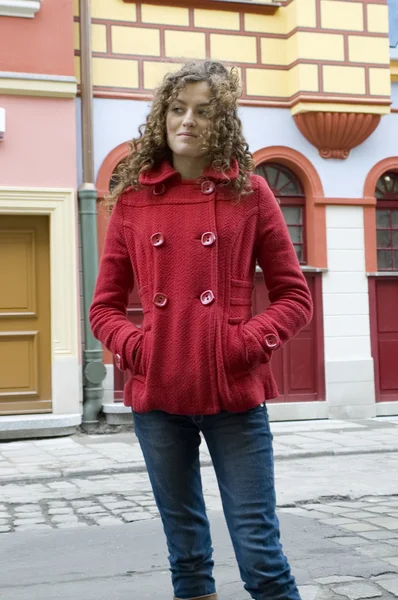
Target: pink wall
[
  {"x": 39, "y": 149},
  {"x": 43, "y": 44}
]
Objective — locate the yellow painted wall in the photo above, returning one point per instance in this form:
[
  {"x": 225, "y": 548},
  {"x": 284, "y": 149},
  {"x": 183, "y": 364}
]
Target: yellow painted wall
[
  {"x": 377, "y": 18},
  {"x": 366, "y": 49},
  {"x": 307, "y": 48},
  {"x": 233, "y": 48},
  {"x": 117, "y": 10},
  {"x": 380, "y": 82},
  {"x": 347, "y": 16},
  {"x": 351, "y": 79},
  {"x": 113, "y": 72},
  {"x": 164, "y": 15},
  {"x": 154, "y": 72},
  {"x": 208, "y": 18},
  {"x": 135, "y": 40},
  {"x": 185, "y": 44}
]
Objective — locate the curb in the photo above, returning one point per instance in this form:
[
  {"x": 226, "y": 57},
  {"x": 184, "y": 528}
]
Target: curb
[{"x": 139, "y": 467}]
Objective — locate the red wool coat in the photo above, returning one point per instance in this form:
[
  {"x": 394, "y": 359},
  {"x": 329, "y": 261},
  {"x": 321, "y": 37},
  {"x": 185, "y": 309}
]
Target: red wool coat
[{"x": 192, "y": 254}]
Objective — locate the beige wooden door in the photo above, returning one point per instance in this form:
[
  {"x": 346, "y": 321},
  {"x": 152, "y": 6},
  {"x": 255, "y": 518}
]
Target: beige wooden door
[{"x": 25, "y": 338}]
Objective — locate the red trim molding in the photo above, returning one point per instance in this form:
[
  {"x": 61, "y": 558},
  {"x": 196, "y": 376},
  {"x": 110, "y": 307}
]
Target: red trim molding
[
  {"x": 387, "y": 164},
  {"x": 368, "y": 201},
  {"x": 246, "y": 5},
  {"x": 336, "y": 134},
  {"x": 311, "y": 182},
  {"x": 108, "y": 166}
]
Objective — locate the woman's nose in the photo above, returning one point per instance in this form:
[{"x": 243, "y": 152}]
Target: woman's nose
[{"x": 189, "y": 120}]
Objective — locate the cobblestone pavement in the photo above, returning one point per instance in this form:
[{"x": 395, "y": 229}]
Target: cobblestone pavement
[{"x": 352, "y": 500}]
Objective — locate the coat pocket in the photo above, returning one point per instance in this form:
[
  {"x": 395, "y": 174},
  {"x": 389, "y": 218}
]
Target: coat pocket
[
  {"x": 142, "y": 356},
  {"x": 236, "y": 355}
]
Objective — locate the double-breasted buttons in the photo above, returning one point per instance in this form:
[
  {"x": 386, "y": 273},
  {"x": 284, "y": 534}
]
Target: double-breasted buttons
[
  {"x": 159, "y": 189},
  {"x": 160, "y": 300},
  {"x": 157, "y": 239},
  {"x": 207, "y": 297},
  {"x": 207, "y": 187},
  {"x": 208, "y": 238},
  {"x": 271, "y": 341}
]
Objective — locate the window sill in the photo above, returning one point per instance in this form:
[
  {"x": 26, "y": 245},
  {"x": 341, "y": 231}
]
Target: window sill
[
  {"x": 256, "y": 6},
  {"x": 383, "y": 274},
  {"x": 19, "y": 8},
  {"x": 304, "y": 268}
]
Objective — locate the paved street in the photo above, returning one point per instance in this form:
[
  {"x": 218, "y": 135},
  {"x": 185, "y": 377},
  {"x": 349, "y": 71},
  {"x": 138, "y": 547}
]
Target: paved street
[{"x": 337, "y": 488}]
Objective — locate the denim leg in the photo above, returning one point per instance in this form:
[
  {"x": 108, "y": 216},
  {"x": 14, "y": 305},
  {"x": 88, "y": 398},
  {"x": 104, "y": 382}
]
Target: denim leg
[
  {"x": 240, "y": 445},
  {"x": 170, "y": 445}
]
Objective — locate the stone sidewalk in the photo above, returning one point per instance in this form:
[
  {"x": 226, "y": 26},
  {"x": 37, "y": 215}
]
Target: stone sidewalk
[
  {"x": 337, "y": 493},
  {"x": 84, "y": 455}
]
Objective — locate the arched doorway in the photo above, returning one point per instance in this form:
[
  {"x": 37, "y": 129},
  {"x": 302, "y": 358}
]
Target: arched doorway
[
  {"x": 383, "y": 289},
  {"x": 298, "y": 366}
]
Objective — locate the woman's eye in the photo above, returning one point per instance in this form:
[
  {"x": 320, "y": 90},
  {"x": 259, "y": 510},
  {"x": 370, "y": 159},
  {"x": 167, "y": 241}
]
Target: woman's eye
[
  {"x": 177, "y": 110},
  {"x": 204, "y": 113}
]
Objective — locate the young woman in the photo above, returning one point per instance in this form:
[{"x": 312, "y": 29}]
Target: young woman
[{"x": 189, "y": 223}]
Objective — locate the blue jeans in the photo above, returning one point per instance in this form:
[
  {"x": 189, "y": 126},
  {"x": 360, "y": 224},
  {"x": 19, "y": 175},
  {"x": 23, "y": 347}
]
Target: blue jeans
[{"x": 240, "y": 446}]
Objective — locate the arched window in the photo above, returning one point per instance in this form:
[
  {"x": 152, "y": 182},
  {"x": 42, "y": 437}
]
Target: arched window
[
  {"x": 289, "y": 192},
  {"x": 387, "y": 222}
]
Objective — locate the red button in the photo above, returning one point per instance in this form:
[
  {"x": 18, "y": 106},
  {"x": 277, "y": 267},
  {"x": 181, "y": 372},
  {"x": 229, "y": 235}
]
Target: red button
[
  {"x": 159, "y": 189},
  {"x": 207, "y": 297},
  {"x": 207, "y": 187},
  {"x": 271, "y": 340},
  {"x": 208, "y": 238},
  {"x": 118, "y": 360},
  {"x": 160, "y": 300},
  {"x": 157, "y": 239}
]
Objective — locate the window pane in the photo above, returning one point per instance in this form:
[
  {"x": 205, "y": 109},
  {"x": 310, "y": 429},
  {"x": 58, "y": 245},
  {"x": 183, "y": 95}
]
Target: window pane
[
  {"x": 271, "y": 173},
  {"x": 387, "y": 186},
  {"x": 296, "y": 234},
  {"x": 384, "y": 238},
  {"x": 382, "y": 218},
  {"x": 299, "y": 252},
  {"x": 395, "y": 239},
  {"x": 384, "y": 259},
  {"x": 290, "y": 189},
  {"x": 283, "y": 179},
  {"x": 395, "y": 260},
  {"x": 293, "y": 214},
  {"x": 394, "y": 218}
]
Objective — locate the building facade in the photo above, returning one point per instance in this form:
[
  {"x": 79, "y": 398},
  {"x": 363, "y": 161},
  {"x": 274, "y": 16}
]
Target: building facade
[
  {"x": 319, "y": 109},
  {"x": 40, "y": 366}
]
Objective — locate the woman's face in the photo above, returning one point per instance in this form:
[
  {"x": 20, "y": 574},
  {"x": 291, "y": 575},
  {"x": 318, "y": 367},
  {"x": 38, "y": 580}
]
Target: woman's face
[{"x": 187, "y": 118}]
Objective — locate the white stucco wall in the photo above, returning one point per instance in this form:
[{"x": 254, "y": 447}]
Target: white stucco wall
[
  {"x": 348, "y": 360},
  {"x": 117, "y": 121}
]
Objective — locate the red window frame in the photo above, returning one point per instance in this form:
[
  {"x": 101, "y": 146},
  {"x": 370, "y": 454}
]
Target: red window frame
[
  {"x": 287, "y": 197},
  {"x": 387, "y": 201}
]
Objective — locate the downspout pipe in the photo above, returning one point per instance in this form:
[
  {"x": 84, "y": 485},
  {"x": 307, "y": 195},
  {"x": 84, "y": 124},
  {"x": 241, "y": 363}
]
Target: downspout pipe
[{"x": 93, "y": 368}]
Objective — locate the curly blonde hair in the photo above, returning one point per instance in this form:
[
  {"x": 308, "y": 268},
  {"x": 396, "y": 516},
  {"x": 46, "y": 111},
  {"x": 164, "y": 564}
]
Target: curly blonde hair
[{"x": 223, "y": 140}]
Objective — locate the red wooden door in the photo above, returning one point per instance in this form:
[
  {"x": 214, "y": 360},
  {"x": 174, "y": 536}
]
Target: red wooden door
[
  {"x": 383, "y": 290},
  {"x": 298, "y": 367},
  {"x": 383, "y": 294}
]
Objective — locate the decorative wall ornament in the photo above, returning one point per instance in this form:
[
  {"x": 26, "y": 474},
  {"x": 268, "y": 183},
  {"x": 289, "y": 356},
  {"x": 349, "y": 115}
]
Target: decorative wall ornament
[{"x": 335, "y": 134}]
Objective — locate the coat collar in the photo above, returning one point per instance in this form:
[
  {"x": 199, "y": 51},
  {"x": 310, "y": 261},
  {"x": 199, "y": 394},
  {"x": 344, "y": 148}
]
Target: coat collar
[{"x": 164, "y": 171}]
